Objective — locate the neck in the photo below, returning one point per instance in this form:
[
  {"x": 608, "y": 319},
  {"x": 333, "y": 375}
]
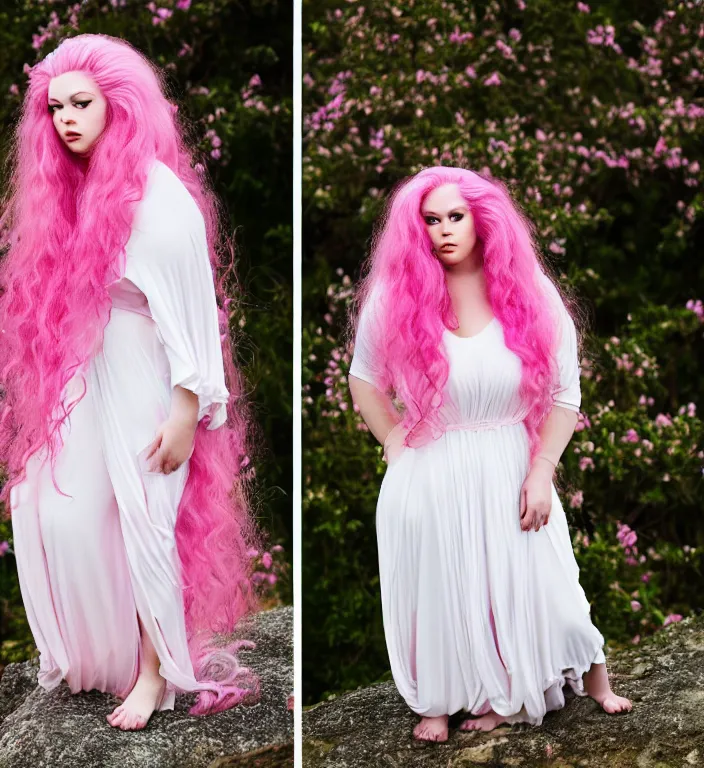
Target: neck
[{"x": 469, "y": 269}]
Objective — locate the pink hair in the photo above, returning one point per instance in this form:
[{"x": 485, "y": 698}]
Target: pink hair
[
  {"x": 406, "y": 283},
  {"x": 66, "y": 221}
]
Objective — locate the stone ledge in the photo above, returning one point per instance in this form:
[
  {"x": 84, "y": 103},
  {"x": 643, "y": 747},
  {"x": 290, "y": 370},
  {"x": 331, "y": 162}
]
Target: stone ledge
[
  {"x": 664, "y": 677},
  {"x": 47, "y": 730}
]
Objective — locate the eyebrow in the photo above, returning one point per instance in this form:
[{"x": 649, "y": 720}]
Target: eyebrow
[
  {"x": 452, "y": 210},
  {"x": 73, "y": 95}
]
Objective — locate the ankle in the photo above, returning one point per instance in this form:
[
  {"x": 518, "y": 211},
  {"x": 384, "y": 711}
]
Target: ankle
[{"x": 151, "y": 676}]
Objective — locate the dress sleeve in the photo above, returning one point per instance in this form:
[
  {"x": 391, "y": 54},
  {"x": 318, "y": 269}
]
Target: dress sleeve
[
  {"x": 567, "y": 392},
  {"x": 363, "y": 365},
  {"x": 168, "y": 261}
]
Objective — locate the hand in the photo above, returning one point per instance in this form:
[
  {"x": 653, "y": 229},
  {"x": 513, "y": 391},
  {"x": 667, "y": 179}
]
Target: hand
[
  {"x": 172, "y": 446},
  {"x": 393, "y": 444},
  {"x": 536, "y": 497}
]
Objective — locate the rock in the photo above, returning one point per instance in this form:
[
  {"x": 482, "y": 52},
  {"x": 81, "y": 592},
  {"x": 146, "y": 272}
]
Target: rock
[
  {"x": 663, "y": 676},
  {"x": 47, "y": 730}
]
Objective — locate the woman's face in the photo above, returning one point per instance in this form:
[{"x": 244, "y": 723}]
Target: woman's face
[
  {"x": 449, "y": 224},
  {"x": 78, "y": 110}
]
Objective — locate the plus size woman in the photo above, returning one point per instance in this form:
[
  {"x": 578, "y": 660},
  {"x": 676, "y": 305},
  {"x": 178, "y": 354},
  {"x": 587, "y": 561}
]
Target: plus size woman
[{"x": 460, "y": 326}]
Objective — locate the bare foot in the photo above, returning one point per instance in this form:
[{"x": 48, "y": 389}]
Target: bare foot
[
  {"x": 431, "y": 729},
  {"x": 596, "y": 684},
  {"x": 612, "y": 704},
  {"x": 484, "y": 723},
  {"x": 134, "y": 712}
]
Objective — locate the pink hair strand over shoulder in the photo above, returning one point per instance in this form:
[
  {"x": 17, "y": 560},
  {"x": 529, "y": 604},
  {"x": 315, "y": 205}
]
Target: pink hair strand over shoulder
[
  {"x": 405, "y": 284},
  {"x": 65, "y": 224}
]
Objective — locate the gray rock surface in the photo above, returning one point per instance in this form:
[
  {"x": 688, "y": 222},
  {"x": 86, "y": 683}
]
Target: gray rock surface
[
  {"x": 664, "y": 677},
  {"x": 52, "y": 730}
]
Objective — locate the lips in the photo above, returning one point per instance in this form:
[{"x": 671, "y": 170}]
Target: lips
[
  {"x": 72, "y": 135},
  {"x": 448, "y": 245}
]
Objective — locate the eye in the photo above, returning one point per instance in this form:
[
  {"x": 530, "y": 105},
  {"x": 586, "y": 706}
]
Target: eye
[
  {"x": 456, "y": 216},
  {"x": 82, "y": 104},
  {"x": 53, "y": 107},
  {"x": 431, "y": 219}
]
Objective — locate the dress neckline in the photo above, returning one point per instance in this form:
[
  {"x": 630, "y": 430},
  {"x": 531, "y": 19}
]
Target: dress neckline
[{"x": 474, "y": 336}]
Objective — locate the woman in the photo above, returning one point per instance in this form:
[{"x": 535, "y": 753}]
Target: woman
[
  {"x": 121, "y": 440},
  {"x": 482, "y": 605}
]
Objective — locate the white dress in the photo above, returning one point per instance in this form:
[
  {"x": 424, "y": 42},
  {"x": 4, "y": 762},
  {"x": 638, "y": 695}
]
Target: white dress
[
  {"x": 89, "y": 561},
  {"x": 477, "y": 613}
]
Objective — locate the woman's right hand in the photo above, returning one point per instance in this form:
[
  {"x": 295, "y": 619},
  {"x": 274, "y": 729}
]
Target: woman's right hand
[{"x": 393, "y": 444}]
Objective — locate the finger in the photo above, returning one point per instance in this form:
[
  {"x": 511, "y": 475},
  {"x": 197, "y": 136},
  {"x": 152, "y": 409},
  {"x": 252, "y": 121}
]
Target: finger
[
  {"x": 158, "y": 461},
  {"x": 156, "y": 442},
  {"x": 526, "y": 520},
  {"x": 522, "y": 502}
]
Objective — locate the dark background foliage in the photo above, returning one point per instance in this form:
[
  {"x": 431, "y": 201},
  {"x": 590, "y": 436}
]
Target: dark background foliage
[
  {"x": 593, "y": 115},
  {"x": 211, "y": 50}
]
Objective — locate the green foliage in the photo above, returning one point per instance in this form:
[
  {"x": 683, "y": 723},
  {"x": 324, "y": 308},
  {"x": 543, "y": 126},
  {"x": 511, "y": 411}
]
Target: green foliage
[
  {"x": 228, "y": 68},
  {"x": 594, "y": 119}
]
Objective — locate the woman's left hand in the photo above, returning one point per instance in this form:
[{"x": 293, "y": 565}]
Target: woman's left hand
[
  {"x": 536, "y": 497},
  {"x": 172, "y": 445}
]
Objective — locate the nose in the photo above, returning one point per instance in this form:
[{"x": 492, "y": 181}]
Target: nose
[{"x": 66, "y": 119}]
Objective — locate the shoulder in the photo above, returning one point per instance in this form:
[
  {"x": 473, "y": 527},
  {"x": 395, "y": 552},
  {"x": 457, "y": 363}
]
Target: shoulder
[{"x": 167, "y": 208}]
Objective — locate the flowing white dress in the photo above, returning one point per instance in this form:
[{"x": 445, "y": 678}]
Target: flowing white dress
[
  {"x": 93, "y": 559},
  {"x": 477, "y": 613}
]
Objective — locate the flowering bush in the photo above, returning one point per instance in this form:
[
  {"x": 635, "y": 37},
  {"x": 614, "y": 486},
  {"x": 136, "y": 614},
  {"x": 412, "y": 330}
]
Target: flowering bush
[
  {"x": 228, "y": 67},
  {"x": 594, "y": 119}
]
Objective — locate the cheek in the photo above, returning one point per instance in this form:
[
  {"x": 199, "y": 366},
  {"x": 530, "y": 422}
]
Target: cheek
[{"x": 468, "y": 230}]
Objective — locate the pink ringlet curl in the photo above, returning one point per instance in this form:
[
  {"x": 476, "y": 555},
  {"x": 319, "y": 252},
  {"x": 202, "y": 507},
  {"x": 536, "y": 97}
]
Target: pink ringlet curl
[
  {"x": 65, "y": 223},
  {"x": 404, "y": 288}
]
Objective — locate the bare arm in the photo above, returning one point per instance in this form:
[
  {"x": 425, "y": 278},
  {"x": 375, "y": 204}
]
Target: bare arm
[
  {"x": 184, "y": 407},
  {"x": 555, "y": 435},
  {"x": 376, "y": 408},
  {"x": 536, "y": 493},
  {"x": 173, "y": 443}
]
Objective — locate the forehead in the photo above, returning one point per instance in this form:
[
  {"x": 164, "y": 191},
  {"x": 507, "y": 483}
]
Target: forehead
[
  {"x": 444, "y": 198},
  {"x": 64, "y": 86}
]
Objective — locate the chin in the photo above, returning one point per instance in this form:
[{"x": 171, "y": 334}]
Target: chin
[{"x": 453, "y": 259}]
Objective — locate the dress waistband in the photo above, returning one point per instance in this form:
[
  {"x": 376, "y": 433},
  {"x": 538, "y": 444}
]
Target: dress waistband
[{"x": 480, "y": 426}]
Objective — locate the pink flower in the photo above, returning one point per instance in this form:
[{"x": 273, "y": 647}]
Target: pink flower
[
  {"x": 576, "y": 499},
  {"x": 635, "y": 605},
  {"x": 660, "y": 147},
  {"x": 4, "y": 547},
  {"x": 254, "y": 81},
  {"x": 586, "y": 463},
  {"x": 583, "y": 8},
  {"x": 215, "y": 154},
  {"x": 672, "y": 618},
  {"x": 183, "y": 5},
  {"x": 14, "y": 90},
  {"x": 493, "y": 79},
  {"x": 164, "y": 13},
  {"x": 267, "y": 560}
]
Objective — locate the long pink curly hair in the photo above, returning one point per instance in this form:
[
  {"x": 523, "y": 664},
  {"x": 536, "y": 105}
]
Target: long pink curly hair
[
  {"x": 65, "y": 223},
  {"x": 405, "y": 282}
]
